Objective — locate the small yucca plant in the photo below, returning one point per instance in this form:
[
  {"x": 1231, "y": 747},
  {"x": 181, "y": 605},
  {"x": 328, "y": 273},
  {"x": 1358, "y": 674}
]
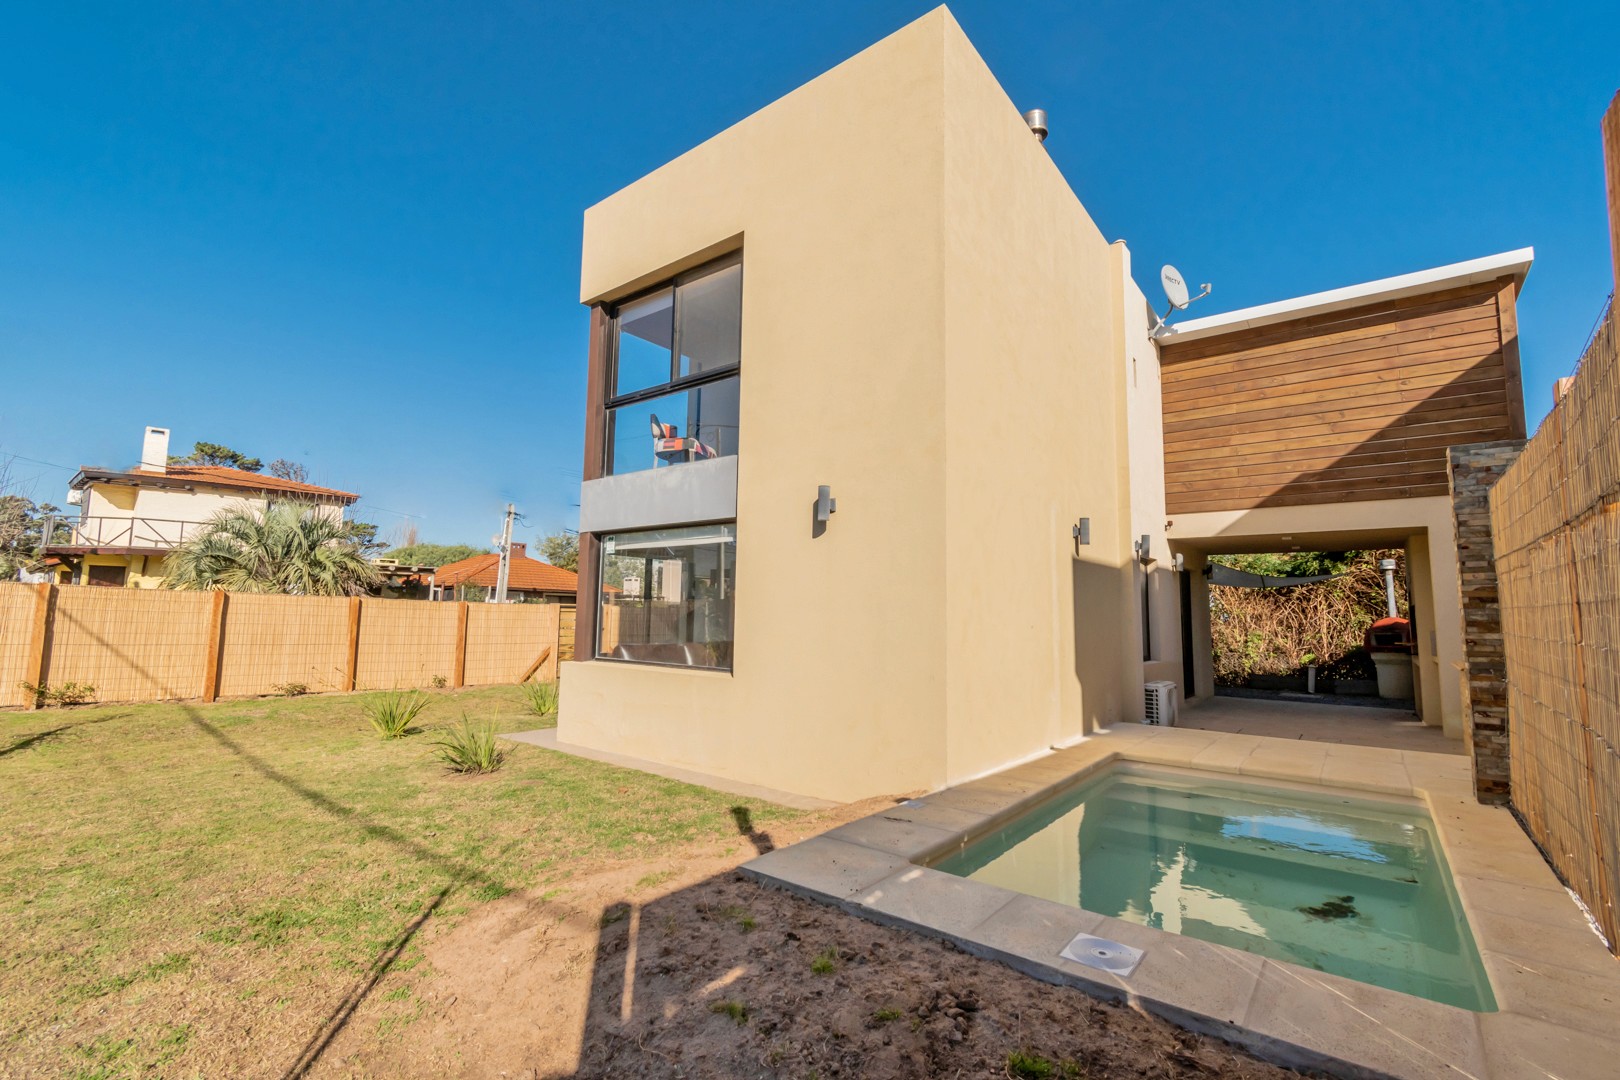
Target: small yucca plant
[
  {"x": 469, "y": 748},
  {"x": 392, "y": 714},
  {"x": 542, "y": 698}
]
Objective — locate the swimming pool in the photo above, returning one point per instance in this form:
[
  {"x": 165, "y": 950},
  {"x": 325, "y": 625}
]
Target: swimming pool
[{"x": 1342, "y": 884}]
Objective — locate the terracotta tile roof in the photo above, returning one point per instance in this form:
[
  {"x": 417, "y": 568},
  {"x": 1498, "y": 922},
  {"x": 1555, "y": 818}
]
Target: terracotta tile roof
[
  {"x": 220, "y": 476},
  {"x": 526, "y": 574}
]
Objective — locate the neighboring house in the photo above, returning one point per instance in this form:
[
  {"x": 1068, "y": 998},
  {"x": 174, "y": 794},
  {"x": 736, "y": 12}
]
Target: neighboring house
[
  {"x": 527, "y": 579},
  {"x": 882, "y": 290},
  {"x": 402, "y": 581},
  {"x": 130, "y": 519}
]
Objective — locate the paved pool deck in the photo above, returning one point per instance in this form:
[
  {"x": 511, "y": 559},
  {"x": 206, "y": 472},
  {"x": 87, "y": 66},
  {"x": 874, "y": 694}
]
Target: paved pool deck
[
  {"x": 1557, "y": 987},
  {"x": 1318, "y": 721}
]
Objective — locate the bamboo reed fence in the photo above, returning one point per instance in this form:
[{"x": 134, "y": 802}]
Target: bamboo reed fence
[
  {"x": 638, "y": 622},
  {"x": 153, "y": 645},
  {"x": 1555, "y": 520}
]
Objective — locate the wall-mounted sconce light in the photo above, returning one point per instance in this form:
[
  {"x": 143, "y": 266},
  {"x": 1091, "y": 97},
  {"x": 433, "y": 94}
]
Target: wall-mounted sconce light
[
  {"x": 1141, "y": 547},
  {"x": 1181, "y": 562},
  {"x": 825, "y": 507},
  {"x": 1082, "y": 533}
]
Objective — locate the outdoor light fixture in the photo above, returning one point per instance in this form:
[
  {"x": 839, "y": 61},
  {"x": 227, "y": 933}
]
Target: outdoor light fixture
[
  {"x": 826, "y": 505},
  {"x": 1141, "y": 547},
  {"x": 1082, "y": 533},
  {"x": 823, "y": 508}
]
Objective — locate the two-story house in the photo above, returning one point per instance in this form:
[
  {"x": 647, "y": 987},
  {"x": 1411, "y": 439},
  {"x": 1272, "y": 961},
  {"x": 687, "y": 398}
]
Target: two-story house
[
  {"x": 130, "y": 519},
  {"x": 893, "y": 477}
]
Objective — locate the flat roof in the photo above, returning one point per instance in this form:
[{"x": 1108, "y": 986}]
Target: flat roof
[{"x": 1510, "y": 263}]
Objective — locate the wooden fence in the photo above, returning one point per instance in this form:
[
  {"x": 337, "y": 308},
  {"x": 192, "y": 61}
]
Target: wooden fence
[
  {"x": 152, "y": 645},
  {"x": 1555, "y": 521}
]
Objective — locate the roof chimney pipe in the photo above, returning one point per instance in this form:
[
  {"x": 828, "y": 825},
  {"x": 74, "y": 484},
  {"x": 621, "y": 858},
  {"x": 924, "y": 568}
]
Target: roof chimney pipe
[{"x": 1036, "y": 119}]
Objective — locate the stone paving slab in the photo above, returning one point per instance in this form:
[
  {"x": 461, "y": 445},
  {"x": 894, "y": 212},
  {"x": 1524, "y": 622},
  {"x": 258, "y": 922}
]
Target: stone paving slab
[{"x": 1557, "y": 987}]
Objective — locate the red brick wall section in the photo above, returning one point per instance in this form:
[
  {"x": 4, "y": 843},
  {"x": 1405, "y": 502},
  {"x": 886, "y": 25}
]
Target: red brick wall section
[{"x": 1474, "y": 468}]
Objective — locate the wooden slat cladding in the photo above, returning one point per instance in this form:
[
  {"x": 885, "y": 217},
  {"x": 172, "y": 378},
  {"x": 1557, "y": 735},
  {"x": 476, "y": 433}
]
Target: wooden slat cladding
[{"x": 1340, "y": 407}]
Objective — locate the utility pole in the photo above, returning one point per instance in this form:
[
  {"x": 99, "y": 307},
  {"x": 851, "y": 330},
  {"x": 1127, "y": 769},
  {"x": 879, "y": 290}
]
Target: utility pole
[{"x": 506, "y": 555}]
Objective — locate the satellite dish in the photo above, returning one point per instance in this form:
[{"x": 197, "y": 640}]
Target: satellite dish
[
  {"x": 1175, "y": 290},
  {"x": 1175, "y": 287}
]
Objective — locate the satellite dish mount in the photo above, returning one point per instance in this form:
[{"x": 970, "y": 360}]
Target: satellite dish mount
[{"x": 1175, "y": 290}]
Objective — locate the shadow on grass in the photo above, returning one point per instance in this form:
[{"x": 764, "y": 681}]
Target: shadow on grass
[
  {"x": 339, "y": 1018},
  {"x": 459, "y": 874},
  {"x": 26, "y": 742},
  {"x": 745, "y": 827}
]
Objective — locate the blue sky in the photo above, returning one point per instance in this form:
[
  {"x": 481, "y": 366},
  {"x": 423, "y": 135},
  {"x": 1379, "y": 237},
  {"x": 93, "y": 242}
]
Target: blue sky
[{"x": 349, "y": 233}]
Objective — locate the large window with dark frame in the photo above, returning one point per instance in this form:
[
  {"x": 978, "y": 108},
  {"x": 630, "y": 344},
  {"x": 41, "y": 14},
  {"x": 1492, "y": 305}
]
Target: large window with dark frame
[
  {"x": 676, "y": 352},
  {"x": 665, "y": 596}
]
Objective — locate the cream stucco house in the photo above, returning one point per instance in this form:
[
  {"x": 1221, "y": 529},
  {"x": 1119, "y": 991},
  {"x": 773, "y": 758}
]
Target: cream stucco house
[
  {"x": 128, "y": 520},
  {"x": 891, "y": 478}
]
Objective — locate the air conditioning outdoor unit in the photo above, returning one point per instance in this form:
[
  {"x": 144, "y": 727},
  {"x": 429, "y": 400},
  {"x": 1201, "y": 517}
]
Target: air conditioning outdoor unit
[{"x": 1161, "y": 703}]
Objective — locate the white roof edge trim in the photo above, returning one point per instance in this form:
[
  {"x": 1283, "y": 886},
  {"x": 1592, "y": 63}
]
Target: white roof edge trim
[{"x": 1514, "y": 263}]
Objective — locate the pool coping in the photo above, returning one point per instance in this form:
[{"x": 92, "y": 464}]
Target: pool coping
[{"x": 1557, "y": 988}]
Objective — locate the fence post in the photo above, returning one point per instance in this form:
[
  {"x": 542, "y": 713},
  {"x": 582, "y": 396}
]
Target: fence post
[
  {"x": 216, "y": 640},
  {"x": 352, "y": 660},
  {"x": 459, "y": 661},
  {"x": 44, "y": 594}
]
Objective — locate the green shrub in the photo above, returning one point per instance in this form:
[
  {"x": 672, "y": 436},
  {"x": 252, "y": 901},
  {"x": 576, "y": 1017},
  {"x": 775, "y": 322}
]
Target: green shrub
[
  {"x": 825, "y": 963},
  {"x": 734, "y": 1009},
  {"x": 469, "y": 748},
  {"x": 69, "y": 693},
  {"x": 1029, "y": 1066},
  {"x": 392, "y": 714},
  {"x": 542, "y": 698},
  {"x": 1024, "y": 1066}
]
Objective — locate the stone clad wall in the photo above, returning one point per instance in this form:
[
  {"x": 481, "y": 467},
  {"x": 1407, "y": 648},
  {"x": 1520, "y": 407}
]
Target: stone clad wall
[{"x": 1474, "y": 468}]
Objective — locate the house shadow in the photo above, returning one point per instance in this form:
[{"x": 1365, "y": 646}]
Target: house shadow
[{"x": 727, "y": 977}]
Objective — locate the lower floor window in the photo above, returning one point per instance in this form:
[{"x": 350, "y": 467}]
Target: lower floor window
[{"x": 665, "y": 596}]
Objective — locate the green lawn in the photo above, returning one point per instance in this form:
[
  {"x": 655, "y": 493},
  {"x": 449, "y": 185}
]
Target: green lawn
[{"x": 169, "y": 869}]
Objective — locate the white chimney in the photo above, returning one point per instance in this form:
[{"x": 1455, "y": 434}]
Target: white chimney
[{"x": 155, "y": 449}]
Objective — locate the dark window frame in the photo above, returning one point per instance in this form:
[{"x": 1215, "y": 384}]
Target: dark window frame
[
  {"x": 677, "y": 382},
  {"x": 598, "y": 656}
]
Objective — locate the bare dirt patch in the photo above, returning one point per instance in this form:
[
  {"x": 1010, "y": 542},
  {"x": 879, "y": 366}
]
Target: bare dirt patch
[{"x": 680, "y": 967}]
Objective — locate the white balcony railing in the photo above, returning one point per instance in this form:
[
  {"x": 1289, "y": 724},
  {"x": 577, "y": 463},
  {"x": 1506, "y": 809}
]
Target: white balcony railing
[{"x": 120, "y": 532}]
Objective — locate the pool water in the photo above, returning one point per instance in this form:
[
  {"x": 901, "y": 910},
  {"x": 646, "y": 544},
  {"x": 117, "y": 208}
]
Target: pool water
[{"x": 1344, "y": 885}]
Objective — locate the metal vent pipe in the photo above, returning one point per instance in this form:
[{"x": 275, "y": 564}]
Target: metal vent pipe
[{"x": 1036, "y": 119}]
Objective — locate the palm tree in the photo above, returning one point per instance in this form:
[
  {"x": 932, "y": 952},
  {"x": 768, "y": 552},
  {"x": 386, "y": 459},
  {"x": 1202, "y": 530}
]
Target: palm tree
[{"x": 290, "y": 548}]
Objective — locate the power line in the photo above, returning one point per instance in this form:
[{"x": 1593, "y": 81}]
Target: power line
[
  {"x": 373, "y": 506},
  {"x": 37, "y": 461},
  {"x": 1603, "y": 314}
]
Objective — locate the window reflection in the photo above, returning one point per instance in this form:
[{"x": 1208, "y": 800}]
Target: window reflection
[
  {"x": 674, "y": 387},
  {"x": 666, "y": 596},
  {"x": 688, "y": 425},
  {"x": 711, "y": 321},
  {"x": 646, "y": 335}
]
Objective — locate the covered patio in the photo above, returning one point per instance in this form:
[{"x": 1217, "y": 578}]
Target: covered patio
[{"x": 1355, "y": 725}]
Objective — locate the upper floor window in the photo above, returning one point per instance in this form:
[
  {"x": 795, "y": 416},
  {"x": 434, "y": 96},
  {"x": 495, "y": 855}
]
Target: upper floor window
[{"x": 673, "y": 386}]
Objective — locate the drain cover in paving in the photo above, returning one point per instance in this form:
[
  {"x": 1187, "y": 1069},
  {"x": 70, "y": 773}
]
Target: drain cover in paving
[{"x": 1109, "y": 956}]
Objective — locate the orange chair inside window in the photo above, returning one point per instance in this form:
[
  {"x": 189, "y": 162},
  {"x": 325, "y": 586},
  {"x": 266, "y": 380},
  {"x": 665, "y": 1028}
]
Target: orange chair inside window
[{"x": 671, "y": 449}]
